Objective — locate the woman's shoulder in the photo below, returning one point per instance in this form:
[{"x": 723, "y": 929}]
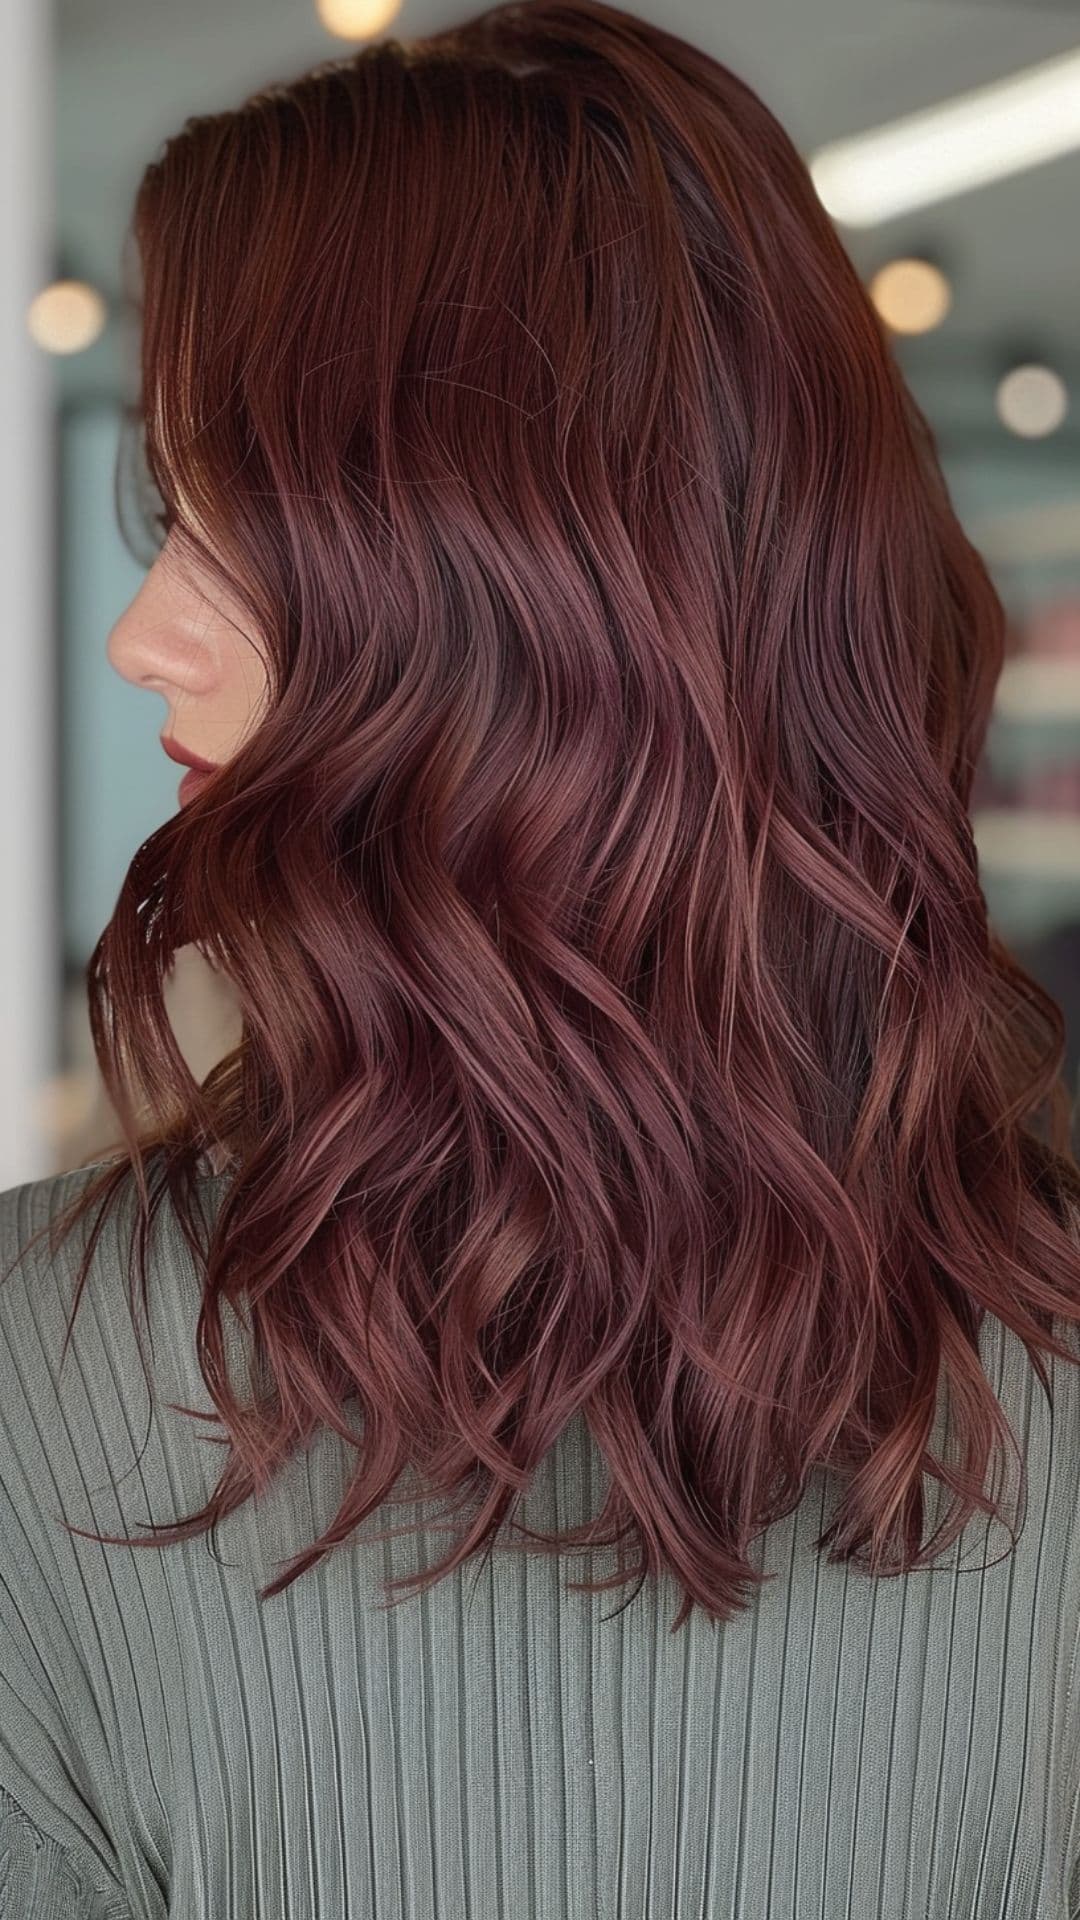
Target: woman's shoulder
[
  {"x": 31, "y": 1246},
  {"x": 29, "y": 1208},
  {"x": 30, "y": 1260},
  {"x": 81, "y": 1348}
]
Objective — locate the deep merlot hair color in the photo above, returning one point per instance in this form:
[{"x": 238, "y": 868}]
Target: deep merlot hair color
[{"x": 623, "y": 1031}]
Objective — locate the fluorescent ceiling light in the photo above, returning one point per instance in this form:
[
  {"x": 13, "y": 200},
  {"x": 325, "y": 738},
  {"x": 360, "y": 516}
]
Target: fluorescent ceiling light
[{"x": 979, "y": 136}]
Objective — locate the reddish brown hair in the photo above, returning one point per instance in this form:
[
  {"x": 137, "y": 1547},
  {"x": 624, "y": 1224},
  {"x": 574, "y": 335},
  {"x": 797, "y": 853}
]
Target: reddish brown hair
[{"x": 623, "y": 1029}]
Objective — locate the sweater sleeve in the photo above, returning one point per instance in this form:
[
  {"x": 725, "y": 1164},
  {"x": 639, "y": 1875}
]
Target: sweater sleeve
[
  {"x": 58, "y": 1860},
  {"x": 38, "y": 1880}
]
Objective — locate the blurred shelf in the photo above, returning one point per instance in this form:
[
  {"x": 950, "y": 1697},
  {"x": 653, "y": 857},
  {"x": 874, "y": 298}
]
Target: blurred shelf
[
  {"x": 1039, "y": 530},
  {"x": 1025, "y": 842},
  {"x": 1036, "y": 687}
]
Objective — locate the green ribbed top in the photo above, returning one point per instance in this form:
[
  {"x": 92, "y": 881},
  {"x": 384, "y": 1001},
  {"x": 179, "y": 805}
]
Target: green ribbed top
[{"x": 498, "y": 1748}]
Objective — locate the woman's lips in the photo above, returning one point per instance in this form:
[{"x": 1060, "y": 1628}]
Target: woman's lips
[
  {"x": 185, "y": 758},
  {"x": 198, "y": 769}
]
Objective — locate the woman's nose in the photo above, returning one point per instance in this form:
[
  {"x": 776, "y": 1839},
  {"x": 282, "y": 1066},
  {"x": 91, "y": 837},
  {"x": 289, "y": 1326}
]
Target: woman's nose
[
  {"x": 158, "y": 641},
  {"x": 131, "y": 650}
]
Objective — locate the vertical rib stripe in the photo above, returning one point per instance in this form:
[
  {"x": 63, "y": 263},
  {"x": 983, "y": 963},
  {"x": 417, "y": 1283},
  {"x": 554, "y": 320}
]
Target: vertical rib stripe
[{"x": 497, "y": 1747}]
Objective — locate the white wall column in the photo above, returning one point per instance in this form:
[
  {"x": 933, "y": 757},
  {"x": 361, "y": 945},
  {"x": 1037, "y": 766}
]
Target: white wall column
[{"x": 29, "y": 915}]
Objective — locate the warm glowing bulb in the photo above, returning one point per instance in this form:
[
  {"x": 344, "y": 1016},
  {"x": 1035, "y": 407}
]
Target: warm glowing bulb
[
  {"x": 356, "y": 19},
  {"x": 1032, "y": 401},
  {"x": 912, "y": 296},
  {"x": 66, "y": 317}
]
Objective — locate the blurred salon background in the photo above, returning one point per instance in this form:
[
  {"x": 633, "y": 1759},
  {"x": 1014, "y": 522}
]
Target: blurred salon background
[{"x": 944, "y": 139}]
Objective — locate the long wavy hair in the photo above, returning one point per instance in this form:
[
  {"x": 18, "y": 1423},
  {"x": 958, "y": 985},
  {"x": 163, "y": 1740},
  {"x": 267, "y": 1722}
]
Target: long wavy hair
[{"x": 623, "y": 1030}]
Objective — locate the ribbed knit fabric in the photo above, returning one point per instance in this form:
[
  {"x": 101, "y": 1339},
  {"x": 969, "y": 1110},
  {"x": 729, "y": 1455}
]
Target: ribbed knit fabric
[{"x": 499, "y": 1748}]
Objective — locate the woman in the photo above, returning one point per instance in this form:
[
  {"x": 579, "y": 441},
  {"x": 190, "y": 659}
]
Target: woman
[{"x": 642, "y": 1169}]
